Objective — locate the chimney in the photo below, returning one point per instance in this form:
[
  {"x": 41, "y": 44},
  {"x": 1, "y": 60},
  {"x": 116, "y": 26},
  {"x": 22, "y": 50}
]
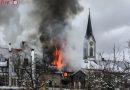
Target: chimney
[
  {"x": 33, "y": 66},
  {"x": 9, "y": 47},
  {"x": 22, "y": 44},
  {"x": 32, "y": 55},
  {"x": 103, "y": 59}
]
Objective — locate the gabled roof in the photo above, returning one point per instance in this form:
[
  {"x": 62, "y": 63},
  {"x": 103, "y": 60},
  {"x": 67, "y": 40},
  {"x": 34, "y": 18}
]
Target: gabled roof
[
  {"x": 89, "y": 32},
  {"x": 83, "y": 70},
  {"x": 5, "y": 52}
]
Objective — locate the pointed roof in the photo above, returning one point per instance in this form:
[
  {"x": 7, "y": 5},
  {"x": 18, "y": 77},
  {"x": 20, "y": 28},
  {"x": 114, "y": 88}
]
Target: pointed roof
[{"x": 89, "y": 28}]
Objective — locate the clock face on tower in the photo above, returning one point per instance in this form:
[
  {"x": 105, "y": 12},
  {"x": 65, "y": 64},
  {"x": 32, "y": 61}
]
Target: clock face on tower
[{"x": 91, "y": 43}]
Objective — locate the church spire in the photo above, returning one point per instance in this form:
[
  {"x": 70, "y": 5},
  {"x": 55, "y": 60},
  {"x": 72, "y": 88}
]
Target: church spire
[
  {"x": 89, "y": 43},
  {"x": 89, "y": 27}
]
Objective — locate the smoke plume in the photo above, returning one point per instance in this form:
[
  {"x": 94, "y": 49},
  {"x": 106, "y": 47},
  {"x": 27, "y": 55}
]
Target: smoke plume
[
  {"x": 9, "y": 24},
  {"x": 53, "y": 15},
  {"x": 43, "y": 22}
]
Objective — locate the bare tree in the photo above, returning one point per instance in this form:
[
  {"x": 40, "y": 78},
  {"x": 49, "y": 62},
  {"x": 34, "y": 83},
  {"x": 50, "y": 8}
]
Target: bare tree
[{"x": 24, "y": 72}]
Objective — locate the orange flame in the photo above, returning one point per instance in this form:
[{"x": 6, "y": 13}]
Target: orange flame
[
  {"x": 65, "y": 74},
  {"x": 58, "y": 58}
]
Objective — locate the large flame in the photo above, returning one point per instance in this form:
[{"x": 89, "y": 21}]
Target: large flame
[{"x": 58, "y": 58}]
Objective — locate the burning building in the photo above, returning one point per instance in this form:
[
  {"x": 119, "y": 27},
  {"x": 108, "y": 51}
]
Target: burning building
[
  {"x": 30, "y": 68},
  {"x": 49, "y": 66}
]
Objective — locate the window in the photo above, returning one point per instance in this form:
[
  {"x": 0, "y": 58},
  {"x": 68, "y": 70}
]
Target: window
[
  {"x": 85, "y": 53},
  {"x": 2, "y": 58},
  {"x": 91, "y": 51},
  {"x": 26, "y": 62}
]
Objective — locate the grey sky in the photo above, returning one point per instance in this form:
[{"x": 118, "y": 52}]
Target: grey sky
[{"x": 110, "y": 22}]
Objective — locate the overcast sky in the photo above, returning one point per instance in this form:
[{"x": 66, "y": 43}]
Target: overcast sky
[{"x": 110, "y": 23}]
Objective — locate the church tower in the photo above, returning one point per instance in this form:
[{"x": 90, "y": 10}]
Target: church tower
[{"x": 89, "y": 43}]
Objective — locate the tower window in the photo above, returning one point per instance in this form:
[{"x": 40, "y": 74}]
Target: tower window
[
  {"x": 91, "y": 51},
  {"x": 85, "y": 53}
]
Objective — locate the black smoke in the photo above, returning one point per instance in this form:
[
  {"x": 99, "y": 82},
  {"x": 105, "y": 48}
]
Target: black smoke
[{"x": 53, "y": 15}]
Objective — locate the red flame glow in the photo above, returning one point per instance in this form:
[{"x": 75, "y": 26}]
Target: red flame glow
[
  {"x": 65, "y": 74},
  {"x": 58, "y": 58}
]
